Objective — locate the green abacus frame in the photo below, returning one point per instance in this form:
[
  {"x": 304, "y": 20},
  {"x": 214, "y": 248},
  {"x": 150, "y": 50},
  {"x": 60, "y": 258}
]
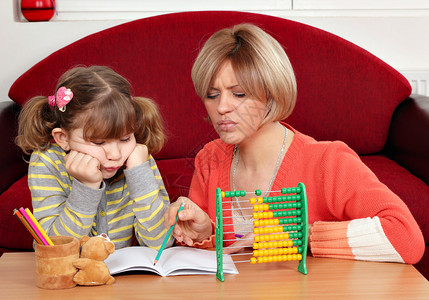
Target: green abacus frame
[{"x": 303, "y": 224}]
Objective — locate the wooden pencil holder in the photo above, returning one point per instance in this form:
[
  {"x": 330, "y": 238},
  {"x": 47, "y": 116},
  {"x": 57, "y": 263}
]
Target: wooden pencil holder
[{"x": 54, "y": 266}]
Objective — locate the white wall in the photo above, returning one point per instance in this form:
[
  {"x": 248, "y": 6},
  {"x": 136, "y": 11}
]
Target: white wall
[{"x": 398, "y": 36}]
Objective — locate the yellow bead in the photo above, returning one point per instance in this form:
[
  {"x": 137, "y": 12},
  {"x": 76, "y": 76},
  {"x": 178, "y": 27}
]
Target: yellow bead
[
  {"x": 270, "y": 259},
  {"x": 255, "y": 223},
  {"x": 252, "y": 200},
  {"x": 222, "y": 194},
  {"x": 253, "y": 260},
  {"x": 255, "y": 245},
  {"x": 260, "y": 200}
]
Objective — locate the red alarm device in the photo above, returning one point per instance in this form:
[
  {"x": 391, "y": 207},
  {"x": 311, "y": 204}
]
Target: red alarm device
[{"x": 38, "y": 10}]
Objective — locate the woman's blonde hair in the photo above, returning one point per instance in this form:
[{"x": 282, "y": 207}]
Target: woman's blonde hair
[
  {"x": 101, "y": 102},
  {"x": 260, "y": 63}
]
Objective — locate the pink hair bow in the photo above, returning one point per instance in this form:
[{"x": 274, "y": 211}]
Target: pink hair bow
[{"x": 63, "y": 97}]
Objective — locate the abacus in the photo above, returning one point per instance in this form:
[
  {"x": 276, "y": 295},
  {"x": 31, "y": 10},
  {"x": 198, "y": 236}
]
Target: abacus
[{"x": 271, "y": 243}]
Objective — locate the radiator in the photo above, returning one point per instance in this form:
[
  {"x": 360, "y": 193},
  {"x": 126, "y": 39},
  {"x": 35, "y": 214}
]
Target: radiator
[{"x": 419, "y": 81}]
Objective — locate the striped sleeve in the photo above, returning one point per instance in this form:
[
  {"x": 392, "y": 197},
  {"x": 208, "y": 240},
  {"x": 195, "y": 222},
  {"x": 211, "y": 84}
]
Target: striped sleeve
[
  {"x": 360, "y": 239},
  {"x": 150, "y": 201},
  {"x": 60, "y": 203}
]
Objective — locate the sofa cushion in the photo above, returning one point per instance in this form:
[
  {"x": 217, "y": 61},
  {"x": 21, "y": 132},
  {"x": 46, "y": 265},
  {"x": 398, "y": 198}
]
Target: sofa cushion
[
  {"x": 177, "y": 176},
  {"x": 413, "y": 191},
  {"x": 13, "y": 234},
  {"x": 344, "y": 92}
]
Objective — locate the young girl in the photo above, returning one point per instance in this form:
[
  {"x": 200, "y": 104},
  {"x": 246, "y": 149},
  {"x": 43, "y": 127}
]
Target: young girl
[
  {"x": 90, "y": 170},
  {"x": 248, "y": 87}
]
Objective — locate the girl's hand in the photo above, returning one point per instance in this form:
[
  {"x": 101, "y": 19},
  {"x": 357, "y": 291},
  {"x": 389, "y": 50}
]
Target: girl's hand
[
  {"x": 194, "y": 224},
  {"x": 139, "y": 156},
  {"x": 84, "y": 168}
]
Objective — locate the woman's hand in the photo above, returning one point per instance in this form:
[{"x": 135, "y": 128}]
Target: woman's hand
[
  {"x": 193, "y": 225},
  {"x": 84, "y": 168},
  {"x": 139, "y": 156}
]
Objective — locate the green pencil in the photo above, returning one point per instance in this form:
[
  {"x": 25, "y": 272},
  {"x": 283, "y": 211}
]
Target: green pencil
[{"x": 167, "y": 237}]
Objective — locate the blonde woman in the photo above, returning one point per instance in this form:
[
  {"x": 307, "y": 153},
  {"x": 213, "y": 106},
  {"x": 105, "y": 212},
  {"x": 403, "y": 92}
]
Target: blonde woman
[{"x": 248, "y": 87}]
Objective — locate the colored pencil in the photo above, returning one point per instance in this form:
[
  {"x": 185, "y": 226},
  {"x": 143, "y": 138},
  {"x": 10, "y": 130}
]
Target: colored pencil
[
  {"x": 167, "y": 237},
  {"x": 24, "y": 222},
  {"x": 39, "y": 234},
  {"x": 39, "y": 227}
]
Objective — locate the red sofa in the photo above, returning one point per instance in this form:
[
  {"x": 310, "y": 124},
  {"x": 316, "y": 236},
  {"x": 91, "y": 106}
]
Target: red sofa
[{"x": 344, "y": 93}]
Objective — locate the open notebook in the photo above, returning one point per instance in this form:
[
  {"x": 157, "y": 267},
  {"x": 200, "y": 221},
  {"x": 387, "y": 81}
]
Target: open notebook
[{"x": 173, "y": 261}]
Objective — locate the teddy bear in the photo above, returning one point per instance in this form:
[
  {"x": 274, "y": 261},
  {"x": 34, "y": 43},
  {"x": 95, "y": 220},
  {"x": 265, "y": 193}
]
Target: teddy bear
[{"x": 91, "y": 267}]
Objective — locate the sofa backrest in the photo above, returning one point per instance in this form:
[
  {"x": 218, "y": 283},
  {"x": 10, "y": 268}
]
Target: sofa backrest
[{"x": 344, "y": 92}]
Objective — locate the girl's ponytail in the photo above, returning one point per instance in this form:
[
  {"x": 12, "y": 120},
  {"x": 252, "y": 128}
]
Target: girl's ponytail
[
  {"x": 35, "y": 124},
  {"x": 150, "y": 127}
]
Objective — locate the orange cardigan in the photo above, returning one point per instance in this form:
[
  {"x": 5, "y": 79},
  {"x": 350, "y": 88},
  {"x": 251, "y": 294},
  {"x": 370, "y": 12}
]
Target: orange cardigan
[{"x": 353, "y": 214}]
